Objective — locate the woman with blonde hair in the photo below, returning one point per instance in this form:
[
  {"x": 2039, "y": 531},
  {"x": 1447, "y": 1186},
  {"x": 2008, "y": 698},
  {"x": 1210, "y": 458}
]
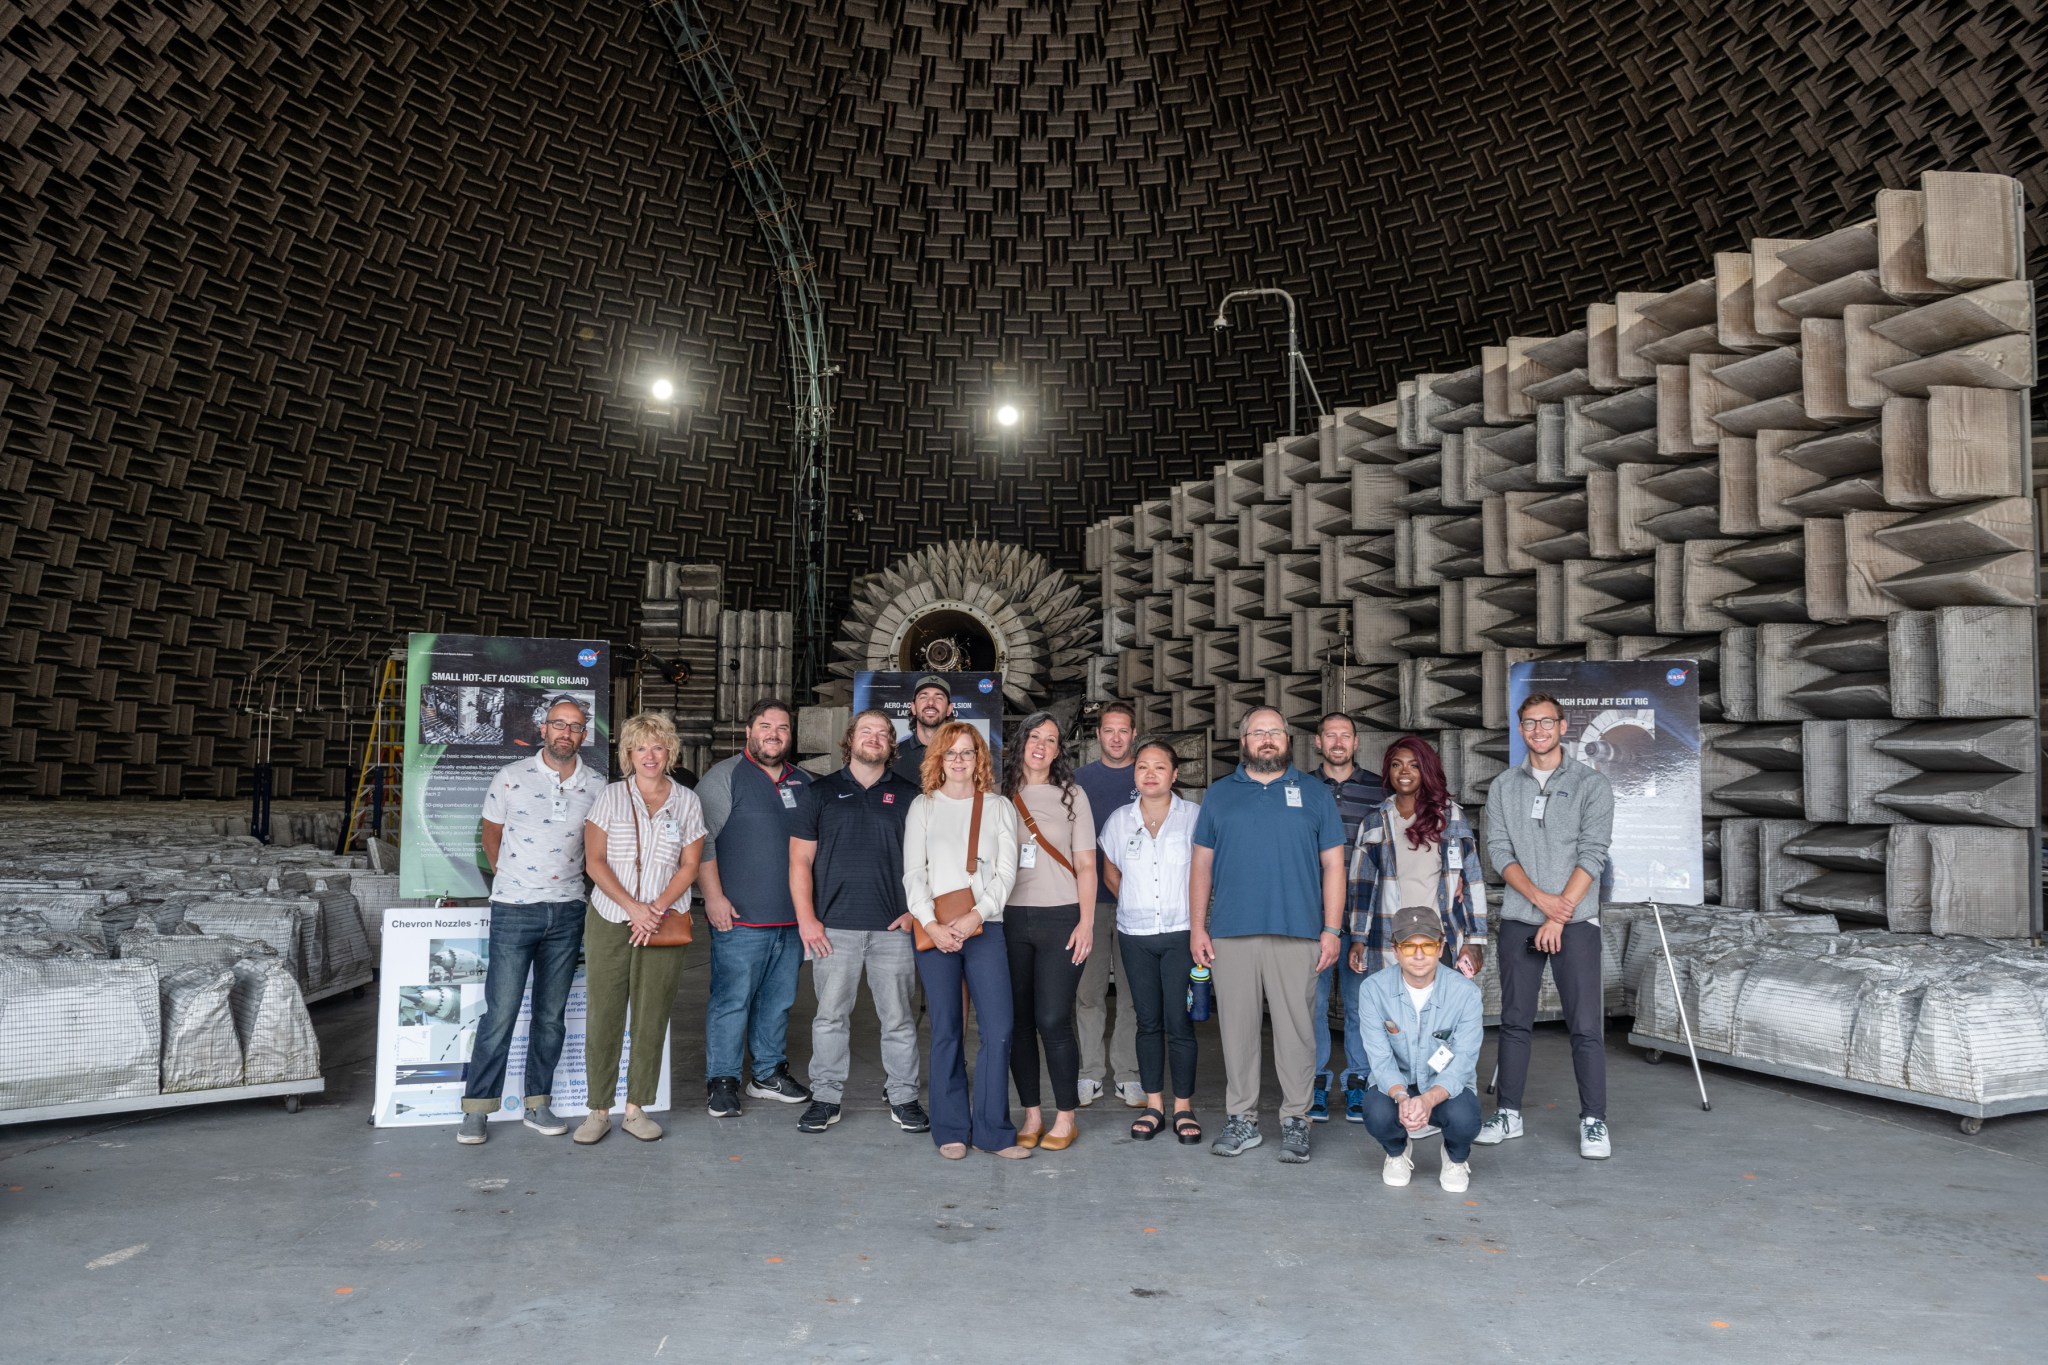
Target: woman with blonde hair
[
  {"x": 642, "y": 843},
  {"x": 959, "y": 862}
]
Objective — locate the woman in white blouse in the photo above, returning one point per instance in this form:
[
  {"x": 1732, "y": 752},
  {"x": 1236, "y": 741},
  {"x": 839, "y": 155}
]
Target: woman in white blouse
[
  {"x": 642, "y": 842},
  {"x": 1146, "y": 858},
  {"x": 958, "y": 777}
]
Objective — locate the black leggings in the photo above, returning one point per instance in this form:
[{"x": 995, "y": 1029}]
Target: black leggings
[
  {"x": 1156, "y": 970},
  {"x": 1043, "y": 978}
]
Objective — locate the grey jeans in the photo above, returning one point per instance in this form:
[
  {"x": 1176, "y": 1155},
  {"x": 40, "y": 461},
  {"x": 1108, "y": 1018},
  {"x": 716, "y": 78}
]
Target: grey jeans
[{"x": 890, "y": 961}]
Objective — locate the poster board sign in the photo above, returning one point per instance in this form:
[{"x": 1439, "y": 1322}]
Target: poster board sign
[
  {"x": 474, "y": 703},
  {"x": 430, "y": 999},
  {"x": 977, "y": 699},
  {"x": 1637, "y": 722}
]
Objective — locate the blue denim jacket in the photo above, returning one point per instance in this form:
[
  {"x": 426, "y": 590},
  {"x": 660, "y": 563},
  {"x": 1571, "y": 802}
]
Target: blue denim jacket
[{"x": 1399, "y": 1045}]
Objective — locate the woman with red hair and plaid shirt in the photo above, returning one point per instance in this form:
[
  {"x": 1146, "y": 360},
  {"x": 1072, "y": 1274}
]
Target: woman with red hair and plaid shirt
[{"x": 1419, "y": 849}]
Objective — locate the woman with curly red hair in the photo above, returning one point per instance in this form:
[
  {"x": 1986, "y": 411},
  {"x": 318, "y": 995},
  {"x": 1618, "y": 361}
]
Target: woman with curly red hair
[
  {"x": 959, "y": 864},
  {"x": 1418, "y": 850}
]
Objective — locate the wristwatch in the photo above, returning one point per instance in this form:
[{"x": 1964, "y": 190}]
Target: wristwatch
[{"x": 1337, "y": 934}]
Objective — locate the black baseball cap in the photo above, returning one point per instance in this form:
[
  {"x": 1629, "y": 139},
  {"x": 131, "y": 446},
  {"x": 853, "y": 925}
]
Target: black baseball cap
[{"x": 931, "y": 680}]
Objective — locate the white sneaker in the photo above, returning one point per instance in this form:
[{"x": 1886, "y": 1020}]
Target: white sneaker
[
  {"x": 1504, "y": 1124},
  {"x": 1455, "y": 1177},
  {"x": 1091, "y": 1091},
  {"x": 1593, "y": 1143},
  {"x": 1132, "y": 1094},
  {"x": 1396, "y": 1170}
]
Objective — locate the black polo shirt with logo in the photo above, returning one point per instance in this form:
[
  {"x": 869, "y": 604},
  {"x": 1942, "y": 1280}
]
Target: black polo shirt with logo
[{"x": 857, "y": 878}]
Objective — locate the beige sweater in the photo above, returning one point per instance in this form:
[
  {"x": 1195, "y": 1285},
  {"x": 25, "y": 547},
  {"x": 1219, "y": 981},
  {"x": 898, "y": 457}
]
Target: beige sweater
[{"x": 935, "y": 853}]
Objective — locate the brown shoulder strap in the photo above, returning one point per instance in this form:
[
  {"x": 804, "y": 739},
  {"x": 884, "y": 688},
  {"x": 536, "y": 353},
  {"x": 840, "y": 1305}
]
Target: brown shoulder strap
[
  {"x": 1037, "y": 834},
  {"x": 974, "y": 835}
]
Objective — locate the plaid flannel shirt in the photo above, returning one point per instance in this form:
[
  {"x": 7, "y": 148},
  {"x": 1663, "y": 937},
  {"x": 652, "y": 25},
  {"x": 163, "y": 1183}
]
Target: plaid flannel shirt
[{"x": 1375, "y": 886}]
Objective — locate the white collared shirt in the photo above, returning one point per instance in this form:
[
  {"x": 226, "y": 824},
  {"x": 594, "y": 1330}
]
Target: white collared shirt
[
  {"x": 540, "y": 857},
  {"x": 1152, "y": 896}
]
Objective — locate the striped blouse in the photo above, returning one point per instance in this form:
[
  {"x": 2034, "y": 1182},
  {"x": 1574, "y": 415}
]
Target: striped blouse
[{"x": 661, "y": 839}]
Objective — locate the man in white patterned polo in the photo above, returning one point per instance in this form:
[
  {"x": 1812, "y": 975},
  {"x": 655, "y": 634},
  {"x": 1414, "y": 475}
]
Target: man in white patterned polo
[{"x": 533, "y": 841}]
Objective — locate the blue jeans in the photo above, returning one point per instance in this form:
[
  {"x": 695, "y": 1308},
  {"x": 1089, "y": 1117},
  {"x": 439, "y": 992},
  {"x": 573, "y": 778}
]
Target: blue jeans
[
  {"x": 1458, "y": 1116},
  {"x": 753, "y": 984},
  {"x": 980, "y": 1118},
  {"x": 544, "y": 939},
  {"x": 1354, "y": 1041}
]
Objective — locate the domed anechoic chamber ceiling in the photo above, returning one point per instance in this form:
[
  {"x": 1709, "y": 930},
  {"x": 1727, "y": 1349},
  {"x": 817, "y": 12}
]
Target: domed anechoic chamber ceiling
[{"x": 331, "y": 319}]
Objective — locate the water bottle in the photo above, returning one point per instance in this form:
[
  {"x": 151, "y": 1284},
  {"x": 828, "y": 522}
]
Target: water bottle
[{"x": 1200, "y": 994}]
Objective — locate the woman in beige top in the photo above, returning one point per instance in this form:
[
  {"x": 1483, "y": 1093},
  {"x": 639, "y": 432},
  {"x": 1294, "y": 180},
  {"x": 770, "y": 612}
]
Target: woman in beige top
[
  {"x": 642, "y": 842},
  {"x": 1048, "y": 936},
  {"x": 969, "y": 951}
]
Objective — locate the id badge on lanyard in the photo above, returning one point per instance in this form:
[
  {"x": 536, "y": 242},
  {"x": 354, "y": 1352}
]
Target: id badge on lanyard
[
  {"x": 788, "y": 794},
  {"x": 1293, "y": 796}
]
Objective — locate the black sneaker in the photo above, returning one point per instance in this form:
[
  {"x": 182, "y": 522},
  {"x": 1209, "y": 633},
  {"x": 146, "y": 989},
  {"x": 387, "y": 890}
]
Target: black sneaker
[
  {"x": 910, "y": 1117},
  {"x": 778, "y": 1085},
  {"x": 818, "y": 1117},
  {"x": 725, "y": 1096}
]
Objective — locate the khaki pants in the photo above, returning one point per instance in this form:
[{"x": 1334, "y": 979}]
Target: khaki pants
[
  {"x": 622, "y": 978},
  {"x": 1254, "y": 974},
  {"x": 1091, "y": 1011}
]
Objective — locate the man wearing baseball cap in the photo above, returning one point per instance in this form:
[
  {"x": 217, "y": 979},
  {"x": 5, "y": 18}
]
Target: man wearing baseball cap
[
  {"x": 1423, "y": 1027},
  {"x": 931, "y": 705}
]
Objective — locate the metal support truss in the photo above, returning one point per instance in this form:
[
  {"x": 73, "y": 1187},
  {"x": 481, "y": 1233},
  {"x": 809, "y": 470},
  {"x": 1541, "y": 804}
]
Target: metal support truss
[{"x": 811, "y": 371}]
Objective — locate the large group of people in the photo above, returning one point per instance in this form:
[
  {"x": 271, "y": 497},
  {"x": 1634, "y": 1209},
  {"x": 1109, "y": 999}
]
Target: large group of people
[{"x": 1008, "y": 893}]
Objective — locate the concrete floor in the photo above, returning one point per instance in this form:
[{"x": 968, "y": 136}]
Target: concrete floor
[{"x": 1789, "y": 1223}]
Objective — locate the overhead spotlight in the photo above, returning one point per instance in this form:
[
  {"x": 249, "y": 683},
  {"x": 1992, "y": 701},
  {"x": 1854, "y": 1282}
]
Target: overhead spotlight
[
  {"x": 1007, "y": 415},
  {"x": 663, "y": 390}
]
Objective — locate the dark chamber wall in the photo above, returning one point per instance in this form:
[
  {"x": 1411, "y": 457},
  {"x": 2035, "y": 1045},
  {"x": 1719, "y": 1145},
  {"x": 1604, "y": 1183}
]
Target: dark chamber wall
[{"x": 328, "y": 321}]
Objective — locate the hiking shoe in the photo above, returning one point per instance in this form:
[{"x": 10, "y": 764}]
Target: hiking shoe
[
  {"x": 1396, "y": 1170},
  {"x": 1502, "y": 1125},
  {"x": 542, "y": 1120},
  {"x": 475, "y": 1129},
  {"x": 778, "y": 1085},
  {"x": 1294, "y": 1141},
  {"x": 818, "y": 1117},
  {"x": 1091, "y": 1091},
  {"x": 1319, "y": 1101},
  {"x": 1239, "y": 1136},
  {"x": 910, "y": 1117},
  {"x": 1455, "y": 1177},
  {"x": 1354, "y": 1102},
  {"x": 642, "y": 1127},
  {"x": 724, "y": 1096},
  {"x": 594, "y": 1128},
  {"x": 1593, "y": 1143},
  {"x": 1131, "y": 1093}
]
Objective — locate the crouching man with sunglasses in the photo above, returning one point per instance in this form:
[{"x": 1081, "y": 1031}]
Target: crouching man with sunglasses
[{"x": 1422, "y": 1028}]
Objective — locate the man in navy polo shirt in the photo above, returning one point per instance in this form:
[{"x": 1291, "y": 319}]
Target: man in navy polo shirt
[
  {"x": 1110, "y": 782},
  {"x": 846, "y": 877},
  {"x": 750, "y": 811},
  {"x": 1270, "y": 844}
]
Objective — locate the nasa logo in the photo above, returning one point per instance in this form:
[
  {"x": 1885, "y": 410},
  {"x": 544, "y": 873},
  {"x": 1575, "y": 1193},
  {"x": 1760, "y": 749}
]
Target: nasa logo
[
  {"x": 586, "y": 657},
  {"x": 987, "y": 685},
  {"x": 1676, "y": 677}
]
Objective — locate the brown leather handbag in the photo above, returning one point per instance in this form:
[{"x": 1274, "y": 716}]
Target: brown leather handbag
[
  {"x": 949, "y": 906},
  {"x": 675, "y": 929}
]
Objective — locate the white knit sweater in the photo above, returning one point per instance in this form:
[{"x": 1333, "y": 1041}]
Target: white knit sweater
[{"x": 935, "y": 853}]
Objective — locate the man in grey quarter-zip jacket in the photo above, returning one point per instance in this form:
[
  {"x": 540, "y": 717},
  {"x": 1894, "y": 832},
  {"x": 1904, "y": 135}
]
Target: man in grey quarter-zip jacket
[{"x": 1548, "y": 826}]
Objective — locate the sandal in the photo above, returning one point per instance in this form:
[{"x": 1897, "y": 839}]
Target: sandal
[
  {"x": 1146, "y": 1126},
  {"x": 1186, "y": 1128}
]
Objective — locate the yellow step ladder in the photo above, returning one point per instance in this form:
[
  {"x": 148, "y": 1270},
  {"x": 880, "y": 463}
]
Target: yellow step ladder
[{"x": 379, "y": 784}]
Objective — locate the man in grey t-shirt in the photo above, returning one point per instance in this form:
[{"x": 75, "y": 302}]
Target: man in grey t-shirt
[{"x": 1548, "y": 826}]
